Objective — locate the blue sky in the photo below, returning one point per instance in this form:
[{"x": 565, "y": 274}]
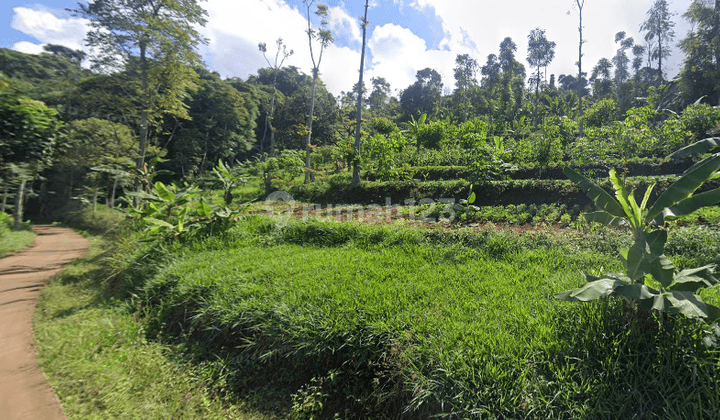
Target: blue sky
[{"x": 404, "y": 35}]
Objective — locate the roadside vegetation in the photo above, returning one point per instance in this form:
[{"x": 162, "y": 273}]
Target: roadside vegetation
[{"x": 13, "y": 241}]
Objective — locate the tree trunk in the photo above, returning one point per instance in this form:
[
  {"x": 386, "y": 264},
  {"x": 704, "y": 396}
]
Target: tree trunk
[
  {"x": 4, "y": 199},
  {"x": 716, "y": 26},
  {"x": 356, "y": 163},
  {"x": 72, "y": 179},
  {"x": 537, "y": 97},
  {"x": 113, "y": 192},
  {"x": 145, "y": 104},
  {"x": 19, "y": 198},
  {"x": 660, "y": 74},
  {"x": 310, "y": 124},
  {"x": 579, "y": 81}
]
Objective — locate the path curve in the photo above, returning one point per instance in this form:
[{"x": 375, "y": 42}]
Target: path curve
[{"x": 24, "y": 391}]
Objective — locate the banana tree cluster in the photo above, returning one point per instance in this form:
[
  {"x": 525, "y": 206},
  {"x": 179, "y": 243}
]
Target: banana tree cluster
[
  {"x": 650, "y": 279},
  {"x": 171, "y": 210}
]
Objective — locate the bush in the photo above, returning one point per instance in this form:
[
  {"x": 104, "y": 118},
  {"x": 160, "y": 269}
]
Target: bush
[
  {"x": 102, "y": 221},
  {"x": 473, "y": 134},
  {"x": 434, "y": 134},
  {"x": 699, "y": 120},
  {"x": 601, "y": 113},
  {"x": 5, "y": 224},
  {"x": 383, "y": 126}
]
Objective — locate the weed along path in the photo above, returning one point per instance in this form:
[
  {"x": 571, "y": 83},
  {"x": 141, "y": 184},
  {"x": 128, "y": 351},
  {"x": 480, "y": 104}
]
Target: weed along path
[{"x": 24, "y": 391}]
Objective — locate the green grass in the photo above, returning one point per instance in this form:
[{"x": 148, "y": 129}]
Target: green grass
[
  {"x": 12, "y": 241},
  {"x": 389, "y": 320},
  {"x": 342, "y": 320},
  {"x": 94, "y": 351}
]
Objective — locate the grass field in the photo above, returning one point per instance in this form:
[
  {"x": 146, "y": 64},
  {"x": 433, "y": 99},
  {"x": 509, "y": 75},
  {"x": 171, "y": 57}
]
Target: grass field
[
  {"x": 93, "y": 348},
  {"x": 343, "y": 320}
]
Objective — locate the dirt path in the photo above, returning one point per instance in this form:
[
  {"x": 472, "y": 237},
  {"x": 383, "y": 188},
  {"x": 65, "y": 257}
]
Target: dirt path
[{"x": 24, "y": 391}]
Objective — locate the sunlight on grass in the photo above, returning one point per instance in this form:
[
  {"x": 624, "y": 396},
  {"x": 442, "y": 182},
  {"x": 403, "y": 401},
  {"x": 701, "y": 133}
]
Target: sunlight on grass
[{"x": 96, "y": 356}]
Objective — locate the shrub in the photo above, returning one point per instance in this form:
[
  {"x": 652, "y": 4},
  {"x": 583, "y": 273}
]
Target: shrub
[
  {"x": 5, "y": 224},
  {"x": 601, "y": 113},
  {"x": 700, "y": 119},
  {"x": 473, "y": 134},
  {"x": 382, "y": 126},
  {"x": 434, "y": 134}
]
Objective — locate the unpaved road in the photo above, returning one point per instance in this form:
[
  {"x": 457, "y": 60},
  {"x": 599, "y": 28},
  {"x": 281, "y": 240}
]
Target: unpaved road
[{"x": 24, "y": 391}]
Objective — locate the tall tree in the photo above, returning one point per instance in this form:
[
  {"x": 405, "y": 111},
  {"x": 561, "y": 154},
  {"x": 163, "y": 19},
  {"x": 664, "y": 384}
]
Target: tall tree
[
  {"x": 356, "y": 163},
  {"x": 540, "y": 53},
  {"x": 659, "y": 32},
  {"x": 700, "y": 74},
  {"x": 380, "y": 95},
  {"x": 423, "y": 96},
  {"x": 72, "y": 55},
  {"x": 280, "y": 56},
  {"x": 464, "y": 72},
  {"x": 638, "y": 52},
  {"x": 156, "y": 41},
  {"x": 580, "y": 5},
  {"x": 222, "y": 126},
  {"x": 621, "y": 59},
  {"x": 28, "y": 134},
  {"x": 600, "y": 78},
  {"x": 513, "y": 73},
  {"x": 324, "y": 37}
]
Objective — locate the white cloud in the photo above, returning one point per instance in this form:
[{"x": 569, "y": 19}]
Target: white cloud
[
  {"x": 398, "y": 53},
  {"x": 28, "y": 47},
  {"x": 341, "y": 23},
  {"x": 48, "y": 29},
  {"x": 488, "y": 22},
  {"x": 235, "y": 30}
]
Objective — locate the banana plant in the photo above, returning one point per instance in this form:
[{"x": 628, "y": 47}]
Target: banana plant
[
  {"x": 415, "y": 128},
  {"x": 229, "y": 181},
  {"x": 670, "y": 290},
  {"x": 467, "y": 204}
]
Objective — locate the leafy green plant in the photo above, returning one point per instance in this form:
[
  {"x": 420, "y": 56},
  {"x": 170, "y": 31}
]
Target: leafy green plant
[
  {"x": 174, "y": 211},
  {"x": 466, "y": 204},
  {"x": 229, "y": 181},
  {"x": 415, "y": 127},
  {"x": 645, "y": 263}
]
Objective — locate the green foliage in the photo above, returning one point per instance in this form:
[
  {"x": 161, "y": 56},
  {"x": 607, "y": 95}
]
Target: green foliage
[
  {"x": 13, "y": 241},
  {"x": 309, "y": 317},
  {"x": 700, "y": 120},
  {"x": 561, "y": 128},
  {"x": 383, "y": 126},
  {"x": 171, "y": 211},
  {"x": 229, "y": 181},
  {"x": 672, "y": 291},
  {"x": 29, "y": 130},
  {"x": 601, "y": 113},
  {"x": 434, "y": 134},
  {"x": 472, "y": 134},
  {"x": 384, "y": 154},
  {"x": 491, "y": 162},
  {"x": 5, "y": 224}
]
